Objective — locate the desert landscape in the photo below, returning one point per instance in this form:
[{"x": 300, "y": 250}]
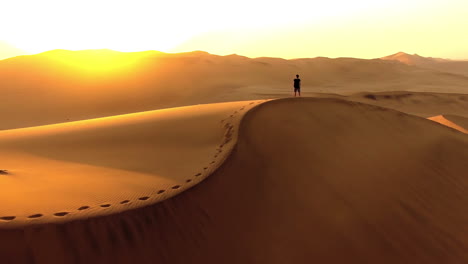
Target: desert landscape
[
  {"x": 153, "y": 157},
  {"x": 80, "y": 85}
]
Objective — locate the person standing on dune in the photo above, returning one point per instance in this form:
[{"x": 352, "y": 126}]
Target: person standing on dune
[{"x": 297, "y": 85}]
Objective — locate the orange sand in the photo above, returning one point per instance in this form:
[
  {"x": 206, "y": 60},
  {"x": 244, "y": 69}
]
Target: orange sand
[
  {"x": 331, "y": 179},
  {"x": 309, "y": 180},
  {"x": 55, "y": 171}
]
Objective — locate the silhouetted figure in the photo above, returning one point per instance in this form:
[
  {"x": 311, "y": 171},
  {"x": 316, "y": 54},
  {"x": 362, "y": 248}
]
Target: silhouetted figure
[{"x": 297, "y": 85}]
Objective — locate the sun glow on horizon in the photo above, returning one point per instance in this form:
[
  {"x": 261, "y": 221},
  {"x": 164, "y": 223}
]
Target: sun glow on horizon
[
  {"x": 95, "y": 61},
  {"x": 254, "y": 28}
]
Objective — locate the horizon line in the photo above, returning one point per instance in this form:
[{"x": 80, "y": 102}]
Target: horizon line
[{"x": 232, "y": 54}]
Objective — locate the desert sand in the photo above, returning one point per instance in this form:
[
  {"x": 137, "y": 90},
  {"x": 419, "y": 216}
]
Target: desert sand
[
  {"x": 62, "y": 86},
  {"x": 369, "y": 167},
  {"x": 67, "y": 171}
]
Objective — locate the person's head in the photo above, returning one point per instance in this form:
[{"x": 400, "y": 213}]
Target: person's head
[{"x": 297, "y": 75}]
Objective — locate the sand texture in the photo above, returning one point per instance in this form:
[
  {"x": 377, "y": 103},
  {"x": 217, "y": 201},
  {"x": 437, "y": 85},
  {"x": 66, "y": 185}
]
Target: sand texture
[
  {"x": 308, "y": 180},
  {"x": 74, "y": 170}
]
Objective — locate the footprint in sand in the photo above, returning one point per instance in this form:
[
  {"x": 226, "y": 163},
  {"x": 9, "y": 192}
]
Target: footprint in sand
[
  {"x": 35, "y": 216},
  {"x": 61, "y": 214}
]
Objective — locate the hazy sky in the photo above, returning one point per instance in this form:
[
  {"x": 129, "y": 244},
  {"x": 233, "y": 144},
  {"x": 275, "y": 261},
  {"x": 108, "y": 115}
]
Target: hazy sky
[{"x": 288, "y": 29}]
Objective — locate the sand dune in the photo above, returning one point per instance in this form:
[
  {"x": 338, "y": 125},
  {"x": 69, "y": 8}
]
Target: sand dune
[
  {"x": 309, "y": 180},
  {"x": 414, "y": 59},
  {"x": 95, "y": 165},
  {"x": 326, "y": 180},
  {"x": 443, "y": 65}
]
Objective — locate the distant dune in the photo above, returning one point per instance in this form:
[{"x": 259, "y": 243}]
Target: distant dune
[
  {"x": 443, "y": 65},
  {"x": 61, "y": 86},
  {"x": 414, "y": 59},
  {"x": 307, "y": 180}
]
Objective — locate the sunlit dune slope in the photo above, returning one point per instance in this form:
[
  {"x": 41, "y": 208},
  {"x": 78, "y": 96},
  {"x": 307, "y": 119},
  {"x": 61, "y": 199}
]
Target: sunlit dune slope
[
  {"x": 62, "y": 86},
  {"x": 456, "y": 122},
  {"x": 96, "y": 165},
  {"x": 309, "y": 181}
]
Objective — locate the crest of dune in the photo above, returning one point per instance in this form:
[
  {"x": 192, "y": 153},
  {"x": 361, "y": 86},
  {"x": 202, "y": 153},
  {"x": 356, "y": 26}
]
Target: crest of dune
[{"x": 409, "y": 59}]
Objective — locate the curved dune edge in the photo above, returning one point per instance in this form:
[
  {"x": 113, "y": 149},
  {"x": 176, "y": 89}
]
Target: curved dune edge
[
  {"x": 166, "y": 187},
  {"x": 441, "y": 119},
  {"x": 310, "y": 180}
]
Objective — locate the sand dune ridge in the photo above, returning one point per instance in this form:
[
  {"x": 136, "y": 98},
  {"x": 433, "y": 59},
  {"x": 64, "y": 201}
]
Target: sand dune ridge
[
  {"x": 309, "y": 180},
  {"x": 88, "y": 168}
]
